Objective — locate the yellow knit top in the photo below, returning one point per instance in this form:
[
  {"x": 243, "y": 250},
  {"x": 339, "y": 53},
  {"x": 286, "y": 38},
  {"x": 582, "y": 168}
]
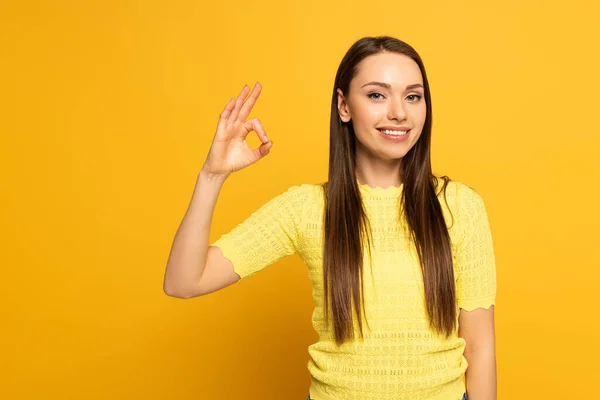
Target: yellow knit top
[{"x": 400, "y": 357}]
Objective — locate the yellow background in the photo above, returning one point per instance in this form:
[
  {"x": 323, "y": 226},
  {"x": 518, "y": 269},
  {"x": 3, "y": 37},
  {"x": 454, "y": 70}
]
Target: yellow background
[{"x": 108, "y": 111}]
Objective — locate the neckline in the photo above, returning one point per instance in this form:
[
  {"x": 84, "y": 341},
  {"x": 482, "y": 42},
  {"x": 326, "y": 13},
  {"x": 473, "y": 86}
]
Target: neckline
[{"x": 390, "y": 191}]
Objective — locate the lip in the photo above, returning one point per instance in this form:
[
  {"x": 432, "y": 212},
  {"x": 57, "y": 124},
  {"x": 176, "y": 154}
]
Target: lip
[
  {"x": 394, "y": 128},
  {"x": 394, "y": 139}
]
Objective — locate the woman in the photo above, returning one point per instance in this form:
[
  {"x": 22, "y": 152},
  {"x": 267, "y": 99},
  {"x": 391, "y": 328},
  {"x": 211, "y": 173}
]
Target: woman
[{"x": 427, "y": 299}]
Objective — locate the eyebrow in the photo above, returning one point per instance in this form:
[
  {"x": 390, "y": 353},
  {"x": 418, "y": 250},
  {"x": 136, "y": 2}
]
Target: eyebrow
[{"x": 388, "y": 86}]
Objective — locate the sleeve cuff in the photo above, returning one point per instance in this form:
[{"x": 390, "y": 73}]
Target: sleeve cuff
[{"x": 470, "y": 305}]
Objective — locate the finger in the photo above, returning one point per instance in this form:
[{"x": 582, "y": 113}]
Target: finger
[
  {"x": 262, "y": 151},
  {"x": 255, "y": 125},
  {"x": 224, "y": 115},
  {"x": 238, "y": 104},
  {"x": 248, "y": 104}
]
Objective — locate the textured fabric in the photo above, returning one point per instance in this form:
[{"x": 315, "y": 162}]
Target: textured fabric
[
  {"x": 400, "y": 357},
  {"x": 463, "y": 398}
]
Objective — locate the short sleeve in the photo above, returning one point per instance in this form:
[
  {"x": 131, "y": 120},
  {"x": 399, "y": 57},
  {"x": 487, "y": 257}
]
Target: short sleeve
[
  {"x": 475, "y": 260},
  {"x": 269, "y": 234}
]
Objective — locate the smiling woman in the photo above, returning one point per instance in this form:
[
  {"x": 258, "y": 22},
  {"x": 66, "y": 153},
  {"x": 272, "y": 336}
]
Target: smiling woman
[
  {"x": 392, "y": 107},
  {"x": 428, "y": 284}
]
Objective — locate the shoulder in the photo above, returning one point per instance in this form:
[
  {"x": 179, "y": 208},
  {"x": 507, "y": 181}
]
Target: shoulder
[
  {"x": 459, "y": 193},
  {"x": 463, "y": 201},
  {"x": 302, "y": 195},
  {"x": 304, "y": 190},
  {"x": 469, "y": 208}
]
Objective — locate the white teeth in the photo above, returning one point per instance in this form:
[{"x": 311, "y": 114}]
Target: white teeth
[{"x": 394, "y": 133}]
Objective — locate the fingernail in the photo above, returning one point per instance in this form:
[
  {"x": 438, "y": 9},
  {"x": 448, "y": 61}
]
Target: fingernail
[{"x": 266, "y": 138}]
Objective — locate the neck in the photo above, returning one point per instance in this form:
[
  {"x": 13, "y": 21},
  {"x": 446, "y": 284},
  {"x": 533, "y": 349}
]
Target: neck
[{"x": 379, "y": 173}]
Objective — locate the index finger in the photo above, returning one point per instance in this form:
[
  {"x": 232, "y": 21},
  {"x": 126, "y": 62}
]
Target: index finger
[{"x": 249, "y": 103}]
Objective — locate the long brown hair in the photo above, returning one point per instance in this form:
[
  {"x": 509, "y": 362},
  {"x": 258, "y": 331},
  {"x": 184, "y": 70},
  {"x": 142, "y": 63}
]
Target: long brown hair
[{"x": 346, "y": 222}]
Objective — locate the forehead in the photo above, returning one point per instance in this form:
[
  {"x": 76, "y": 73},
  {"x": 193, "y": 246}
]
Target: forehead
[{"x": 396, "y": 69}]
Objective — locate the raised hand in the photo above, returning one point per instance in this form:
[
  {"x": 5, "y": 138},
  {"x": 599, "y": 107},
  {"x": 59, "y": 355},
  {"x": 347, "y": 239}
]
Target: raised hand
[{"x": 229, "y": 151}]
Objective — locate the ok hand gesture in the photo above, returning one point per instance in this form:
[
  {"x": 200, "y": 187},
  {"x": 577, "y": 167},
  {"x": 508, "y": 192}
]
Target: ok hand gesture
[{"x": 229, "y": 151}]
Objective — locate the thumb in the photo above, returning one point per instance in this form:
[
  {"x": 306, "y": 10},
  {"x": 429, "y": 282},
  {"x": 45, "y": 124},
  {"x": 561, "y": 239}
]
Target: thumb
[{"x": 262, "y": 150}]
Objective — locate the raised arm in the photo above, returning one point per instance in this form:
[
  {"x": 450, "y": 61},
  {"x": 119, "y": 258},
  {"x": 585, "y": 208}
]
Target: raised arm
[{"x": 193, "y": 268}]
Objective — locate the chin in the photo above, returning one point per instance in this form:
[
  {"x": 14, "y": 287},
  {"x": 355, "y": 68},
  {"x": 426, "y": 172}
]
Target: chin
[{"x": 392, "y": 155}]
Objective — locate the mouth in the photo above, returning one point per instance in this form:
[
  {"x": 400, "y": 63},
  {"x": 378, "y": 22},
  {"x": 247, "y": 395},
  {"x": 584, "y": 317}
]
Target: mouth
[{"x": 394, "y": 131}]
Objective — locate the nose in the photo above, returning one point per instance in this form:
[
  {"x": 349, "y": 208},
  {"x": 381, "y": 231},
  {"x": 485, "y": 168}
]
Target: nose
[{"x": 396, "y": 110}]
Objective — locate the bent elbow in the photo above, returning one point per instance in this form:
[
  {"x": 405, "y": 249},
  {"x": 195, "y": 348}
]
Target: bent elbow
[{"x": 177, "y": 293}]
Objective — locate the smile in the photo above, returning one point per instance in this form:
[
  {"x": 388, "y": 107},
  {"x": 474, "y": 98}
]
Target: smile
[
  {"x": 395, "y": 136},
  {"x": 393, "y": 132}
]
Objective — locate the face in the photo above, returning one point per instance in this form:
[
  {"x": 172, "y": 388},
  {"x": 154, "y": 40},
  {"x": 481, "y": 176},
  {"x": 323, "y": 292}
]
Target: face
[{"x": 394, "y": 103}]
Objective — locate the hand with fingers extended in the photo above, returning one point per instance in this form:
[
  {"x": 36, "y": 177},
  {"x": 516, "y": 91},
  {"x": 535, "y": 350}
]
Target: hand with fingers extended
[{"x": 229, "y": 151}]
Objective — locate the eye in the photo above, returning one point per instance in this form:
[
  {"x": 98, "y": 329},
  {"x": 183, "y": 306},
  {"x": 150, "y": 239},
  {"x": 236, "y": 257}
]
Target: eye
[
  {"x": 419, "y": 97},
  {"x": 370, "y": 94}
]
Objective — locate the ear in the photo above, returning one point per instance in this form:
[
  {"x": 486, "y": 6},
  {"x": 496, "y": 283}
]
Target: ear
[{"x": 343, "y": 109}]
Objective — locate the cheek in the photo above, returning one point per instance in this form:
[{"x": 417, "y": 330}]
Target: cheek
[
  {"x": 368, "y": 114},
  {"x": 423, "y": 112},
  {"x": 418, "y": 117}
]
